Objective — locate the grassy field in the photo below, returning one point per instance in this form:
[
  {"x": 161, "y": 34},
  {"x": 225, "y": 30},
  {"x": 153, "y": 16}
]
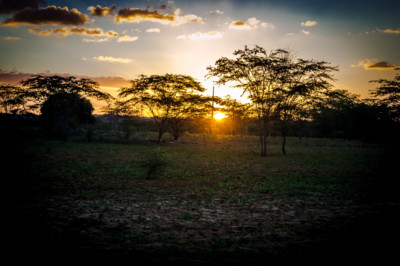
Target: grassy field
[{"x": 212, "y": 201}]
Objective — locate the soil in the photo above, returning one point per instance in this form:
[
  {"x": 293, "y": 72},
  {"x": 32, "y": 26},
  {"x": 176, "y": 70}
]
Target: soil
[{"x": 214, "y": 232}]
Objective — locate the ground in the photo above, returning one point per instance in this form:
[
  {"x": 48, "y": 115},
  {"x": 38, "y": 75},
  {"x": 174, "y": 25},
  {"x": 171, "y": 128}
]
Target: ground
[{"x": 216, "y": 202}]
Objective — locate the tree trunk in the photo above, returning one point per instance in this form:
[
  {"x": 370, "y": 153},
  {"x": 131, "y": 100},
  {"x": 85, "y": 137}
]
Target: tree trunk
[
  {"x": 265, "y": 138},
  {"x": 284, "y": 129},
  {"x": 261, "y": 133},
  {"x": 283, "y": 145}
]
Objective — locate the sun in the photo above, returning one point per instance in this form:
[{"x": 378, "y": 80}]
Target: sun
[{"x": 219, "y": 116}]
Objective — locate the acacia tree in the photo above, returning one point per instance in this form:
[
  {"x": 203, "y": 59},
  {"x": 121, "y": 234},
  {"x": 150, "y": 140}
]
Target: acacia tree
[
  {"x": 10, "y": 99},
  {"x": 165, "y": 97},
  {"x": 300, "y": 82},
  {"x": 39, "y": 88},
  {"x": 388, "y": 94},
  {"x": 269, "y": 79},
  {"x": 193, "y": 106},
  {"x": 255, "y": 72}
]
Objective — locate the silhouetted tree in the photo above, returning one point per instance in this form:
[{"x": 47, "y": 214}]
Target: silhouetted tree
[
  {"x": 192, "y": 106},
  {"x": 39, "y": 88},
  {"x": 268, "y": 79},
  {"x": 164, "y": 97},
  {"x": 388, "y": 94},
  {"x": 11, "y": 100},
  {"x": 64, "y": 111},
  {"x": 300, "y": 81}
]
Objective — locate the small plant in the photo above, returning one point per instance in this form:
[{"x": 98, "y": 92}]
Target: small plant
[{"x": 155, "y": 163}]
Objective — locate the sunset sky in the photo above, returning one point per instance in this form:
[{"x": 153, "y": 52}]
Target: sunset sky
[{"x": 114, "y": 41}]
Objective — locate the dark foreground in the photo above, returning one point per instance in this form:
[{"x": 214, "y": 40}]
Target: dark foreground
[{"x": 214, "y": 204}]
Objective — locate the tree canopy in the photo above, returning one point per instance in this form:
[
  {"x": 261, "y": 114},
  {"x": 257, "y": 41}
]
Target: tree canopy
[
  {"x": 64, "y": 111},
  {"x": 168, "y": 97},
  {"x": 388, "y": 93},
  {"x": 38, "y": 88},
  {"x": 275, "y": 82}
]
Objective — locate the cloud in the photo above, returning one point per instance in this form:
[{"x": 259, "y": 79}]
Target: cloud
[
  {"x": 239, "y": 25},
  {"x": 111, "y": 59},
  {"x": 126, "y": 38},
  {"x": 99, "y": 11},
  {"x": 65, "y": 31},
  {"x": 11, "y": 6},
  {"x": 251, "y": 23},
  {"x": 375, "y": 64},
  {"x": 267, "y": 25},
  {"x": 305, "y": 32},
  {"x": 202, "y": 36},
  {"x": 136, "y": 15},
  {"x": 390, "y": 31},
  {"x": 216, "y": 12},
  {"x": 96, "y": 40},
  {"x": 157, "y": 30},
  {"x": 112, "y": 33},
  {"x": 51, "y": 15},
  {"x": 10, "y": 38},
  {"x": 309, "y": 23}
]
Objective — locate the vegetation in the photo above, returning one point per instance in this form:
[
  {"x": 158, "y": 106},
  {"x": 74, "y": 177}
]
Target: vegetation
[
  {"x": 276, "y": 84},
  {"x": 217, "y": 203},
  {"x": 155, "y": 178},
  {"x": 168, "y": 99}
]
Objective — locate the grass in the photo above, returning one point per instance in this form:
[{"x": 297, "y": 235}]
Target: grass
[{"x": 217, "y": 200}]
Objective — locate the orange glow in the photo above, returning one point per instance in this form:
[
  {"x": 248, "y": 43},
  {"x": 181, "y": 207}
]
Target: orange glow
[{"x": 219, "y": 116}]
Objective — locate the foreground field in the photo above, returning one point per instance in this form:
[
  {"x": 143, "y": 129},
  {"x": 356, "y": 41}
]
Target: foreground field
[{"x": 211, "y": 201}]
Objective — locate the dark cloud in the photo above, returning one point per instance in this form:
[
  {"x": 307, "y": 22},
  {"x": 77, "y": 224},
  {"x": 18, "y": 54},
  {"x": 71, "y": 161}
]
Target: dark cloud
[
  {"x": 50, "y": 15},
  {"x": 65, "y": 31},
  {"x": 137, "y": 15},
  {"x": 99, "y": 11},
  {"x": 238, "y": 23},
  {"x": 381, "y": 65},
  {"x": 395, "y": 31},
  {"x": 375, "y": 64},
  {"x": 11, "y": 6}
]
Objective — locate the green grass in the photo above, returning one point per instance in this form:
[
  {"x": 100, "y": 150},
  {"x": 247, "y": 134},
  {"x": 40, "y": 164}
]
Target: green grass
[{"x": 207, "y": 197}]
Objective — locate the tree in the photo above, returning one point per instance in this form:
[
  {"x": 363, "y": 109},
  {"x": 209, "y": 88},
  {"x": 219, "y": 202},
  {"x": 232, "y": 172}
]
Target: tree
[
  {"x": 388, "y": 94},
  {"x": 299, "y": 82},
  {"x": 10, "y": 99},
  {"x": 238, "y": 112},
  {"x": 124, "y": 112},
  {"x": 64, "y": 111},
  {"x": 39, "y": 88},
  {"x": 165, "y": 97},
  {"x": 269, "y": 79},
  {"x": 192, "y": 106},
  {"x": 255, "y": 72}
]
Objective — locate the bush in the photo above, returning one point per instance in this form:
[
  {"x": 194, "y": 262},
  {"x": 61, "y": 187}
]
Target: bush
[{"x": 155, "y": 163}]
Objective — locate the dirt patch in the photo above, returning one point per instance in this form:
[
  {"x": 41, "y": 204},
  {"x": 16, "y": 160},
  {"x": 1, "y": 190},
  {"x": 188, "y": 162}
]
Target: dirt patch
[{"x": 217, "y": 230}]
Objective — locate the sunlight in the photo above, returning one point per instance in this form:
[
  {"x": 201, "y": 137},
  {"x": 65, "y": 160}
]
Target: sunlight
[{"x": 219, "y": 116}]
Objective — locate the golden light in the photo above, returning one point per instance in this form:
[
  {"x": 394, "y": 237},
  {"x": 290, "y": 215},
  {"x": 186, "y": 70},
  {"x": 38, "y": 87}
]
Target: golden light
[{"x": 219, "y": 116}]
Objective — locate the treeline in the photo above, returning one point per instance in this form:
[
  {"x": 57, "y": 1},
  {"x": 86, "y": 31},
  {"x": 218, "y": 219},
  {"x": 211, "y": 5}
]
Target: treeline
[{"x": 288, "y": 97}]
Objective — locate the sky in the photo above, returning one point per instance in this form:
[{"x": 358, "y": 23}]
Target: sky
[{"x": 113, "y": 42}]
